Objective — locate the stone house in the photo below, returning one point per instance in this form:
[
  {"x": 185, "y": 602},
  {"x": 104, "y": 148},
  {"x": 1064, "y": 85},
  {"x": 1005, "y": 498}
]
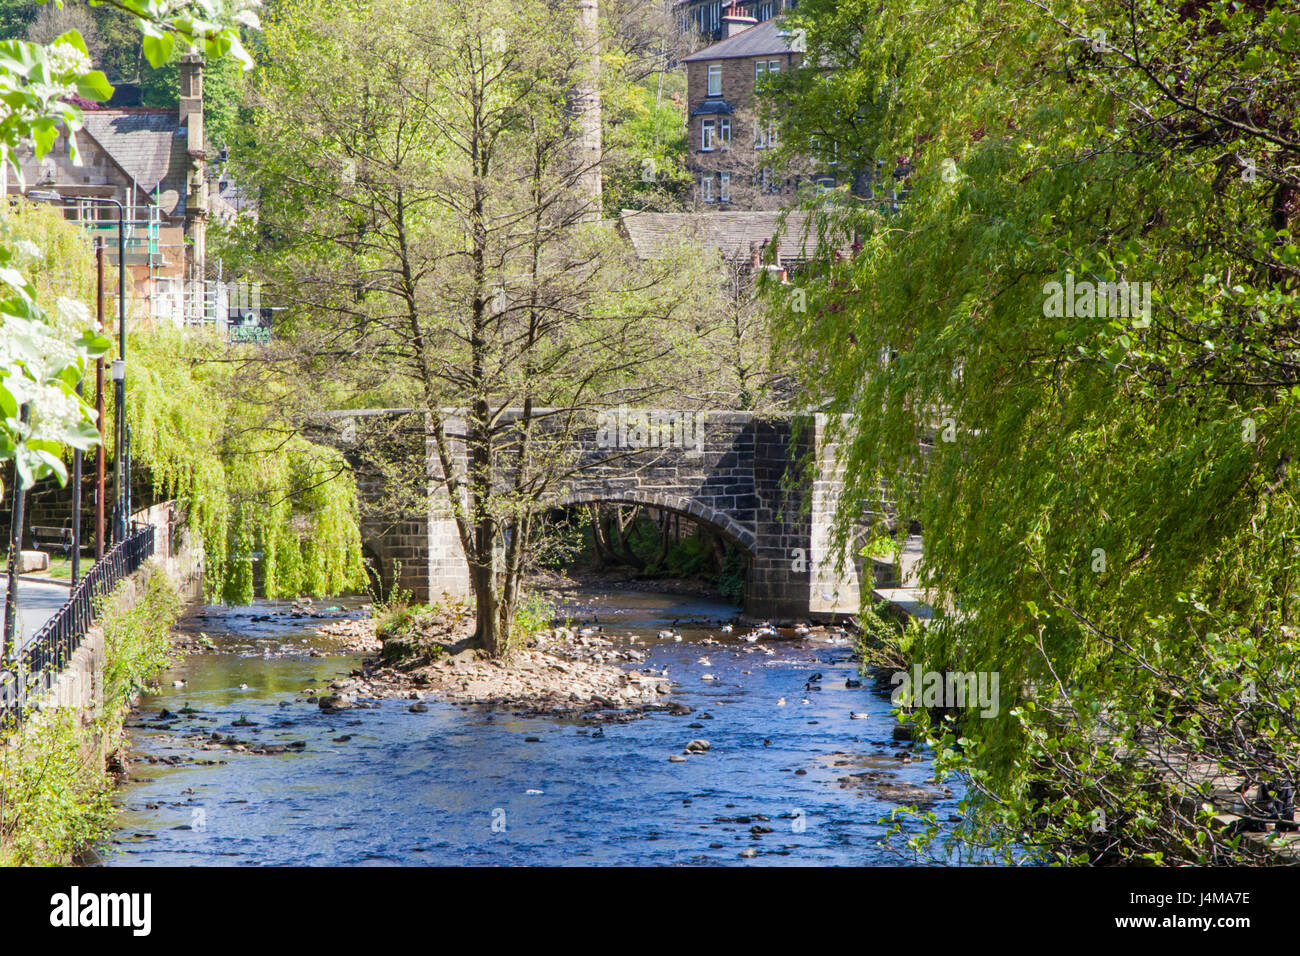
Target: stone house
[
  {"x": 154, "y": 162},
  {"x": 729, "y": 141}
]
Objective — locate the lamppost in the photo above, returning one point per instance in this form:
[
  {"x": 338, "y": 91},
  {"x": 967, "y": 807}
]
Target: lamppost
[
  {"x": 9, "y": 642},
  {"x": 119, "y": 364}
]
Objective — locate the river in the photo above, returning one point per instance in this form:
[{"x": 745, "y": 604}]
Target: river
[{"x": 803, "y": 783}]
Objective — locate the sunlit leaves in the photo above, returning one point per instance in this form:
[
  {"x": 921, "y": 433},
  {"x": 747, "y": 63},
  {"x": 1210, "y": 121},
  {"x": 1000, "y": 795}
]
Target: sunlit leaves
[
  {"x": 1166, "y": 445},
  {"x": 40, "y": 362}
]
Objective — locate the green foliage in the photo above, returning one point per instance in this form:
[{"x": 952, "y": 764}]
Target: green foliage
[
  {"x": 43, "y": 355},
  {"x": 881, "y": 641},
  {"x": 396, "y": 620},
  {"x": 137, "y": 639},
  {"x": 532, "y": 614},
  {"x": 1111, "y": 525},
  {"x": 645, "y": 143},
  {"x": 249, "y": 484},
  {"x": 692, "y": 555},
  {"x": 54, "y": 792},
  {"x": 731, "y": 579}
]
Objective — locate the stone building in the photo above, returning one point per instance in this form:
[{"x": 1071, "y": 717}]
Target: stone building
[
  {"x": 154, "y": 162},
  {"x": 730, "y": 143}
]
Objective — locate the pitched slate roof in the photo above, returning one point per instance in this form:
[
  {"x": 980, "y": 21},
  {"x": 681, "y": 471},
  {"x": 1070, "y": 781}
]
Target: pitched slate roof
[
  {"x": 150, "y": 146},
  {"x": 769, "y": 38},
  {"x": 655, "y": 234}
]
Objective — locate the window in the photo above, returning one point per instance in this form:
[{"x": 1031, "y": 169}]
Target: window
[
  {"x": 715, "y": 79},
  {"x": 724, "y": 187},
  {"x": 764, "y": 135},
  {"x": 706, "y": 187},
  {"x": 760, "y": 71},
  {"x": 724, "y": 133},
  {"x": 765, "y": 10},
  {"x": 706, "y": 136},
  {"x": 774, "y": 66}
]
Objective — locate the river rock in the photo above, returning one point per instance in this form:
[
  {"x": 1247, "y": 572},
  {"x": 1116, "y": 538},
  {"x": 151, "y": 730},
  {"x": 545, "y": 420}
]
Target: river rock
[{"x": 697, "y": 746}]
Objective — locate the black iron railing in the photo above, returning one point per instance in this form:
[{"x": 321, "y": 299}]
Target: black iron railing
[{"x": 42, "y": 658}]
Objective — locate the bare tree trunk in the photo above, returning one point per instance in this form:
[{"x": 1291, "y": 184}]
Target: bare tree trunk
[
  {"x": 665, "y": 538},
  {"x": 604, "y": 555},
  {"x": 624, "y": 549},
  {"x": 719, "y": 551}
]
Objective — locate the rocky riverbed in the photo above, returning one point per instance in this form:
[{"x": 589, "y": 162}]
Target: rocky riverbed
[
  {"x": 788, "y": 754},
  {"x": 559, "y": 672}
]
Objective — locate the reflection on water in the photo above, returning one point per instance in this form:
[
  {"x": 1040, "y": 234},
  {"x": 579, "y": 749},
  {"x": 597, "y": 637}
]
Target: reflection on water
[{"x": 800, "y": 783}]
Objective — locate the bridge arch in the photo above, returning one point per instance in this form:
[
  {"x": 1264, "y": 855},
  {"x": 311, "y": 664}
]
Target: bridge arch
[{"x": 730, "y": 529}]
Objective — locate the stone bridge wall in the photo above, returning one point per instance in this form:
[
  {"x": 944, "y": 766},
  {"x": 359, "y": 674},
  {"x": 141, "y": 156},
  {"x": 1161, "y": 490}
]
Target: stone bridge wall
[{"x": 734, "y": 471}]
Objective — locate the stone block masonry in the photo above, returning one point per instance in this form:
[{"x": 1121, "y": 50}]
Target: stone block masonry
[{"x": 767, "y": 484}]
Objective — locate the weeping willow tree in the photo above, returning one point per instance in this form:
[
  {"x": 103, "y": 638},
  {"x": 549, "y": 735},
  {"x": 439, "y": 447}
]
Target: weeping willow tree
[
  {"x": 1078, "y": 288},
  {"x": 250, "y": 485},
  {"x": 222, "y": 446}
]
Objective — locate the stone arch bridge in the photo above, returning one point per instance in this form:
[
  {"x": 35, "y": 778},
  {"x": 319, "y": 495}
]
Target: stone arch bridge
[{"x": 766, "y": 484}]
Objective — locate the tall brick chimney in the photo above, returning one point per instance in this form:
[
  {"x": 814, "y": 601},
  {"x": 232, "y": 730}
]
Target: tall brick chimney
[
  {"x": 586, "y": 102},
  {"x": 190, "y": 116}
]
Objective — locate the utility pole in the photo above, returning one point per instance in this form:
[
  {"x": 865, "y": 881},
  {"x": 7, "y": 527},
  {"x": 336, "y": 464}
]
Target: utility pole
[
  {"x": 9, "y": 643},
  {"x": 119, "y": 383},
  {"x": 99, "y": 406}
]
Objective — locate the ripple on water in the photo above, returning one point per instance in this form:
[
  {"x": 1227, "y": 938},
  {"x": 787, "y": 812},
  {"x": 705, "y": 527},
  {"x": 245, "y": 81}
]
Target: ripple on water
[{"x": 463, "y": 785}]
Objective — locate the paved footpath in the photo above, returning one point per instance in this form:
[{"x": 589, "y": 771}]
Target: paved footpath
[{"x": 37, "y": 602}]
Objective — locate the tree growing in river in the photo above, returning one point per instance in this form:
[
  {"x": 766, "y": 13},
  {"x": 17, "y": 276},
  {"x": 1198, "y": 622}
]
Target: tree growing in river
[{"x": 431, "y": 222}]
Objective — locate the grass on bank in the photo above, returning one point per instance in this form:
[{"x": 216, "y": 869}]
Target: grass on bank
[
  {"x": 60, "y": 567},
  {"x": 54, "y": 787},
  {"x": 417, "y": 634}
]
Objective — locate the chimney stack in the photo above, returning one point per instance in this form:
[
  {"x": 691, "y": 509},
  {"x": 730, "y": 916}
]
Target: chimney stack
[
  {"x": 191, "y": 100},
  {"x": 190, "y": 115},
  {"x": 586, "y": 104},
  {"x": 735, "y": 20}
]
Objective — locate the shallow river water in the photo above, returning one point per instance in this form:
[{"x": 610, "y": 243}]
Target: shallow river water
[{"x": 465, "y": 785}]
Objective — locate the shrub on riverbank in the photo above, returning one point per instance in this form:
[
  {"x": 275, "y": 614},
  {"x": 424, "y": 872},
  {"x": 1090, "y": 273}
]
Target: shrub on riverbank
[
  {"x": 416, "y": 634},
  {"x": 54, "y": 794},
  {"x": 137, "y": 638},
  {"x": 54, "y": 787}
]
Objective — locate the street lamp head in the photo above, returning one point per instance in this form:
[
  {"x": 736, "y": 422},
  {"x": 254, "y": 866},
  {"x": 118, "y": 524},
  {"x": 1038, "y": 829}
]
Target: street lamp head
[
  {"x": 119, "y": 370},
  {"x": 44, "y": 195}
]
